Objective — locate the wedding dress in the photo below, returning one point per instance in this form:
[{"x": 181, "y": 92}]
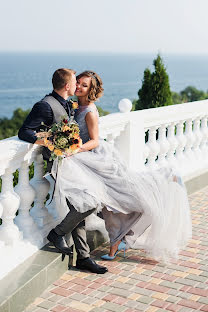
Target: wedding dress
[{"x": 149, "y": 208}]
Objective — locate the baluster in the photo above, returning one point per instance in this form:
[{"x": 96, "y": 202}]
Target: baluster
[
  {"x": 154, "y": 148},
  {"x": 198, "y": 138},
  {"x": 204, "y": 141},
  {"x": 173, "y": 143},
  {"x": 189, "y": 141},
  {"x": 164, "y": 146},
  {"x": 145, "y": 151},
  {"x": 9, "y": 232},
  {"x": 26, "y": 193},
  {"x": 41, "y": 185},
  {"x": 180, "y": 137}
]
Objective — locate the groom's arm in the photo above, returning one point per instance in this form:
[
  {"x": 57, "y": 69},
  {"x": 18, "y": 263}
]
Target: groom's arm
[{"x": 41, "y": 112}]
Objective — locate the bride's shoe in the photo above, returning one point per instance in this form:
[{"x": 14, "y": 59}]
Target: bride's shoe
[{"x": 121, "y": 246}]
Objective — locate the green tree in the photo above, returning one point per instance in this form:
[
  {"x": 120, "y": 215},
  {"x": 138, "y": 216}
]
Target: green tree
[
  {"x": 10, "y": 127},
  {"x": 155, "y": 90},
  {"x": 145, "y": 93},
  {"x": 161, "y": 94},
  {"x": 191, "y": 94}
]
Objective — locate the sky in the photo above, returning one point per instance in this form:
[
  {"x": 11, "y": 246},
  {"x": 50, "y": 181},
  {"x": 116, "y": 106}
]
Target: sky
[{"x": 109, "y": 26}]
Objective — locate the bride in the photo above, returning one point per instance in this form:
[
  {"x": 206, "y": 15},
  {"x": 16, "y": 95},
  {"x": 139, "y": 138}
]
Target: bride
[{"x": 144, "y": 210}]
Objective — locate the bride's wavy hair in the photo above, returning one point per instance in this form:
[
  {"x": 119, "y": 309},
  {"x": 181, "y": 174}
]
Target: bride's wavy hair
[{"x": 96, "y": 89}]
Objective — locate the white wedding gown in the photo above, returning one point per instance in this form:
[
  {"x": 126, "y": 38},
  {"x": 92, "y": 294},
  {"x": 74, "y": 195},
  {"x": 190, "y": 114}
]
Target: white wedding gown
[{"x": 150, "y": 209}]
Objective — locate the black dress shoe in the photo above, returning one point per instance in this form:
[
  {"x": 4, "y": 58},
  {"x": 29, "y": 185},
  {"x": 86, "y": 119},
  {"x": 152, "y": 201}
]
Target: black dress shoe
[
  {"x": 59, "y": 242},
  {"x": 90, "y": 265}
]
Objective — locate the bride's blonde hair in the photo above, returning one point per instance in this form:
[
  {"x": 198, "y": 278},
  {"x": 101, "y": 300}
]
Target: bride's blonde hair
[{"x": 96, "y": 89}]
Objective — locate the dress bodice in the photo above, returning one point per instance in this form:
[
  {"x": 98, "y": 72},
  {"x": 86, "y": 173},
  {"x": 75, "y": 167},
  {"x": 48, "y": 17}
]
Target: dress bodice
[{"x": 80, "y": 115}]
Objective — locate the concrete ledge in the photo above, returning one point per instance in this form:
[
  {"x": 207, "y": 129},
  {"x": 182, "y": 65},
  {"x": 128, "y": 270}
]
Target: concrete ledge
[
  {"x": 196, "y": 182},
  {"x": 20, "y": 287}
]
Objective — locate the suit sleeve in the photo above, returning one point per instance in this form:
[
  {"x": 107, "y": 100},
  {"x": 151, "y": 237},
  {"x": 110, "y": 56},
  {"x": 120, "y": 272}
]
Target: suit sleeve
[{"x": 41, "y": 112}]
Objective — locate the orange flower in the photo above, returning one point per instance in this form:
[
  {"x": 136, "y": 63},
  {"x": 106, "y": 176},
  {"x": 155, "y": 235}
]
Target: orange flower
[
  {"x": 74, "y": 105},
  {"x": 65, "y": 128},
  {"x": 57, "y": 152},
  {"x": 45, "y": 141},
  {"x": 76, "y": 136},
  {"x": 73, "y": 147}
]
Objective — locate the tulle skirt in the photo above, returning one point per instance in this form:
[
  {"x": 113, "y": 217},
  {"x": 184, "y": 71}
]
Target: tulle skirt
[{"x": 150, "y": 209}]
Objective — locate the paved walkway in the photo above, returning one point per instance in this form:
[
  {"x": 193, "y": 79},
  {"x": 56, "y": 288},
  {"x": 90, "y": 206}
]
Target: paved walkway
[{"x": 136, "y": 283}]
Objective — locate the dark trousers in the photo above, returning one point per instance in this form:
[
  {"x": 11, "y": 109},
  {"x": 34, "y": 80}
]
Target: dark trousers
[{"x": 74, "y": 224}]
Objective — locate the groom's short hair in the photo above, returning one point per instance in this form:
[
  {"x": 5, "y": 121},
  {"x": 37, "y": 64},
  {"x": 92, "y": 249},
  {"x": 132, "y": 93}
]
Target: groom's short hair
[{"x": 61, "y": 77}]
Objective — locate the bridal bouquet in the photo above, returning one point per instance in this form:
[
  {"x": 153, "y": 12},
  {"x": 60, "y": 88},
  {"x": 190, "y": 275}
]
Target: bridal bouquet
[{"x": 62, "y": 138}]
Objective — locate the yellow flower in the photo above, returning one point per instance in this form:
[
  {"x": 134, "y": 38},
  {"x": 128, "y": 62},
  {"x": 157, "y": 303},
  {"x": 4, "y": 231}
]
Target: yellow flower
[
  {"x": 50, "y": 147},
  {"x": 74, "y": 105},
  {"x": 57, "y": 152}
]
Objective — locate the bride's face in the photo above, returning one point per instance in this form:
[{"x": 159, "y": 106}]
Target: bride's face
[{"x": 83, "y": 86}]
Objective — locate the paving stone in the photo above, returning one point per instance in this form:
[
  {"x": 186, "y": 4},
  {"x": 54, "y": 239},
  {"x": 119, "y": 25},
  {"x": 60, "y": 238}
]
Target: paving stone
[
  {"x": 202, "y": 285},
  {"x": 66, "y": 301},
  {"x": 173, "y": 292},
  {"x": 170, "y": 285},
  {"x": 55, "y": 298},
  {"x": 113, "y": 307},
  {"x": 196, "y": 278},
  {"x": 132, "y": 281},
  {"x": 131, "y": 304},
  {"x": 90, "y": 300},
  {"x": 125, "y": 273},
  {"x": 78, "y": 297},
  {"x": 105, "y": 288},
  {"x": 184, "y": 295},
  {"x": 97, "y": 294},
  {"x": 185, "y": 281},
  {"x": 203, "y": 300},
  {"x": 47, "y": 304},
  {"x": 172, "y": 299},
  {"x": 121, "y": 285},
  {"x": 142, "y": 291},
  {"x": 204, "y": 274},
  {"x": 120, "y": 292},
  {"x": 187, "y": 310},
  {"x": 97, "y": 309},
  {"x": 145, "y": 299}
]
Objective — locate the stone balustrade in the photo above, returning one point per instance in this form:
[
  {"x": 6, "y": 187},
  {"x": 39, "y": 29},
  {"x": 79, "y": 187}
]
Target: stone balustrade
[{"x": 175, "y": 135}]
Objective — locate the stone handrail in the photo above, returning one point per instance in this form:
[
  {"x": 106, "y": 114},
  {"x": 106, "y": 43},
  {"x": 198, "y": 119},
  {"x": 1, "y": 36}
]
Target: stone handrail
[{"x": 175, "y": 135}]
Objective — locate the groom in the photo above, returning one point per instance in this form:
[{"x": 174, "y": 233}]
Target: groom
[{"x": 50, "y": 110}]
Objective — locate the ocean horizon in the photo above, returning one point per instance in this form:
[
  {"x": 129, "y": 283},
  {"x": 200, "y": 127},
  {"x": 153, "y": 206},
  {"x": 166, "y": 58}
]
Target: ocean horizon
[{"x": 25, "y": 77}]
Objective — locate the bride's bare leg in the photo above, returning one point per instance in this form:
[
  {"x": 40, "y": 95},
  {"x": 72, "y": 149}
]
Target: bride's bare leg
[{"x": 114, "y": 248}]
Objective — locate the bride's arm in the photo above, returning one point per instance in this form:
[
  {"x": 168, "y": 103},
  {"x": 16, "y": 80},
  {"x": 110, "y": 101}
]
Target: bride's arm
[{"x": 92, "y": 124}]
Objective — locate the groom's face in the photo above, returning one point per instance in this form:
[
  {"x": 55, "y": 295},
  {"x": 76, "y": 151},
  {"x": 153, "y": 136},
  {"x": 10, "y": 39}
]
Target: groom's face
[{"x": 71, "y": 85}]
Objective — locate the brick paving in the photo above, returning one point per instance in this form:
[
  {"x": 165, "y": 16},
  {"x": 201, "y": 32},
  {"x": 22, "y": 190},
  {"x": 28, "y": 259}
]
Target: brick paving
[{"x": 137, "y": 283}]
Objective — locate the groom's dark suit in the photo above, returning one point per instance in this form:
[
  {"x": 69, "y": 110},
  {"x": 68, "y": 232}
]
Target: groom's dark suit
[{"x": 43, "y": 112}]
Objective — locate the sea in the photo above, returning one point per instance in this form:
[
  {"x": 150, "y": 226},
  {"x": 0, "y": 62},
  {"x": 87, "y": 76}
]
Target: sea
[{"x": 25, "y": 78}]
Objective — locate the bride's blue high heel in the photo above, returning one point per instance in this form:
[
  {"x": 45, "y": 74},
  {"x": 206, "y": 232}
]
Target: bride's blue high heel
[{"x": 121, "y": 246}]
